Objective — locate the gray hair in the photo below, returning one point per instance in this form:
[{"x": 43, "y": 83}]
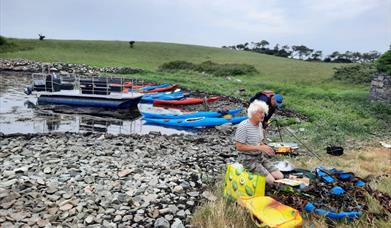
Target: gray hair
[{"x": 257, "y": 106}]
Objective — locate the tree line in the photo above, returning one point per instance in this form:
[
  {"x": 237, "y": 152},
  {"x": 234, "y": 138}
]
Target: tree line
[{"x": 305, "y": 53}]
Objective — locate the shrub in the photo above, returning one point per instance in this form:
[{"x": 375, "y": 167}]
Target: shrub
[
  {"x": 176, "y": 65},
  {"x": 383, "y": 64},
  {"x": 210, "y": 67},
  {"x": 357, "y": 73},
  {"x": 9, "y": 45},
  {"x": 3, "y": 40}
]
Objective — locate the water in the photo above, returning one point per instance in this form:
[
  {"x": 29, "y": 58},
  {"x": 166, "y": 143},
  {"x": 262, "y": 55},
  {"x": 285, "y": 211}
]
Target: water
[{"x": 20, "y": 113}]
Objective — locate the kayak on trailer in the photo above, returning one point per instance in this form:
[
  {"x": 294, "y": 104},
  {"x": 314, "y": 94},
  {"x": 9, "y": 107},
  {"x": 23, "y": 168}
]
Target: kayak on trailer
[
  {"x": 186, "y": 101},
  {"x": 190, "y": 115},
  {"x": 150, "y": 97},
  {"x": 196, "y": 122}
]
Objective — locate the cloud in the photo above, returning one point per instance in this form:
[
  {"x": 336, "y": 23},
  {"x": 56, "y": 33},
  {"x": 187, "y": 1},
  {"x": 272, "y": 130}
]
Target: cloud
[{"x": 333, "y": 10}]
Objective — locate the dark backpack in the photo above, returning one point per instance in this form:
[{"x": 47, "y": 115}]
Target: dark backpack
[{"x": 267, "y": 93}]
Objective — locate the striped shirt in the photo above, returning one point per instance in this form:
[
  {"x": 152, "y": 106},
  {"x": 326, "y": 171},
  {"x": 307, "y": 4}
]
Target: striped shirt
[{"x": 247, "y": 133}]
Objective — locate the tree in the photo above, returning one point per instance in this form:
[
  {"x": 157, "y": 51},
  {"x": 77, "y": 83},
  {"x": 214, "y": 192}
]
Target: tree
[
  {"x": 263, "y": 43},
  {"x": 240, "y": 47},
  {"x": 357, "y": 57},
  {"x": 41, "y": 37},
  {"x": 383, "y": 64},
  {"x": 246, "y": 46},
  {"x": 3, "y": 40},
  {"x": 316, "y": 56},
  {"x": 131, "y": 43},
  {"x": 370, "y": 56},
  {"x": 276, "y": 48},
  {"x": 301, "y": 51},
  {"x": 334, "y": 56}
]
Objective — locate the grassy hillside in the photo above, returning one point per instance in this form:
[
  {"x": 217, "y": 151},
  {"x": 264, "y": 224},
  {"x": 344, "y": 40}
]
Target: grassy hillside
[{"x": 149, "y": 56}]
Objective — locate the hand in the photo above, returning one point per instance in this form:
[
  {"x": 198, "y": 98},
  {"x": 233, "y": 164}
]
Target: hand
[
  {"x": 268, "y": 124},
  {"x": 266, "y": 149}
]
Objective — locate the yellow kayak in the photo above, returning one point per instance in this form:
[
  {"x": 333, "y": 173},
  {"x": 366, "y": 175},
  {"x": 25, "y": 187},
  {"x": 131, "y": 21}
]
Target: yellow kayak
[{"x": 267, "y": 211}]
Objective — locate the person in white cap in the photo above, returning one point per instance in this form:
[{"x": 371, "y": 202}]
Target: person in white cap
[{"x": 251, "y": 150}]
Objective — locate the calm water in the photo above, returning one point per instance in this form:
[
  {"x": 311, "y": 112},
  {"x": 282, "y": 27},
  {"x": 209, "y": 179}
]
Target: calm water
[{"x": 20, "y": 114}]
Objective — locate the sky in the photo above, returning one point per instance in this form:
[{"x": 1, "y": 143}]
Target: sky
[{"x": 326, "y": 25}]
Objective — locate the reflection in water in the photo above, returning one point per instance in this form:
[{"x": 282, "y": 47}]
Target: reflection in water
[
  {"x": 20, "y": 114},
  {"x": 53, "y": 125}
]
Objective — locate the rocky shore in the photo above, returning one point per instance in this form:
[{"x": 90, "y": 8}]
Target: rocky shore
[
  {"x": 97, "y": 180},
  {"x": 28, "y": 66}
]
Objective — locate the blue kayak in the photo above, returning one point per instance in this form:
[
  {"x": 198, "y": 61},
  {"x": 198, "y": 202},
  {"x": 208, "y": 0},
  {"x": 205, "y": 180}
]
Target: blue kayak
[
  {"x": 195, "y": 122},
  {"x": 155, "y": 87},
  {"x": 190, "y": 115},
  {"x": 164, "y": 96}
]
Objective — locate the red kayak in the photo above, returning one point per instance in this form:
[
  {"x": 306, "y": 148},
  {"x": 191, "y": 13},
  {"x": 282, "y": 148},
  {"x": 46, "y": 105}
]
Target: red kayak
[
  {"x": 164, "y": 89},
  {"x": 142, "y": 86},
  {"x": 185, "y": 101}
]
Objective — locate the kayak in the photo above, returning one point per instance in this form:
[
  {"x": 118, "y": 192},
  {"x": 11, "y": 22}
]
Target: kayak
[
  {"x": 195, "y": 122},
  {"x": 150, "y": 97},
  {"x": 186, "y": 101},
  {"x": 160, "y": 89},
  {"x": 155, "y": 87},
  {"x": 190, "y": 115},
  {"x": 140, "y": 86},
  {"x": 267, "y": 211}
]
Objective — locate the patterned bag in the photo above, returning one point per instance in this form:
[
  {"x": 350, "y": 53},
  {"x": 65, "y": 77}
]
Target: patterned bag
[{"x": 239, "y": 182}]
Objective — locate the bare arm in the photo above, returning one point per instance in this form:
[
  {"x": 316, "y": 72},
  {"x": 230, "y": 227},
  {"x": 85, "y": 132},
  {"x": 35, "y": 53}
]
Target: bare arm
[{"x": 254, "y": 148}]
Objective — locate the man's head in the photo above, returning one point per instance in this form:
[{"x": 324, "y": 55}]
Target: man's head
[
  {"x": 257, "y": 110},
  {"x": 277, "y": 100}
]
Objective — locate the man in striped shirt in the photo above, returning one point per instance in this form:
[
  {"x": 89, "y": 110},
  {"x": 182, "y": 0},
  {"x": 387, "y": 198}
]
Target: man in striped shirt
[{"x": 252, "y": 150}]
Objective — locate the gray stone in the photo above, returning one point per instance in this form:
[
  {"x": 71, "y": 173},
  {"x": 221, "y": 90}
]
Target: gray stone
[
  {"x": 190, "y": 203},
  {"x": 108, "y": 224},
  {"x": 138, "y": 218},
  {"x": 127, "y": 218},
  {"x": 193, "y": 194},
  {"x": 66, "y": 207},
  {"x": 47, "y": 170},
  {"x": 110, "y": 211},
  {"x": 19, "y": 216},
  {"x": 8, "y": 183},
  {"x": 178, "y": 189},
  {"x": 177, "y": 224},
  {"x": 164, "y": 210},
  {"x": 67, "y": 195},
  {"x": 181, "y": 214},
  {"x": 173, "y": 208},
  {"x": 169, "y": 217},
  {"x": 43, "y": 222},
  {"x": 89, "y": 219},
  {"x": 8, "y": 173},
  {"x": 161, "y": 223},
  {"x": 117, "y": 218}
]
